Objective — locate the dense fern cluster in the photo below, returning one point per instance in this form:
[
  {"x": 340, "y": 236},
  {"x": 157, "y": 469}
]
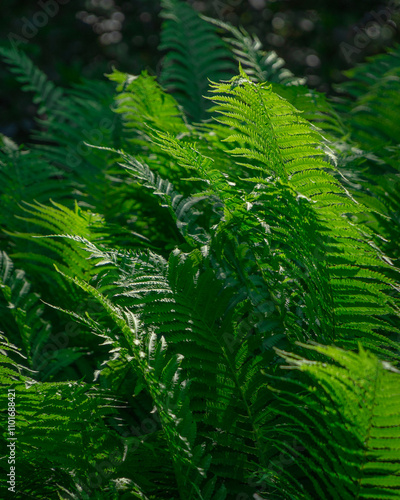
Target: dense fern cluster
[{"x": 199, "y": 279}]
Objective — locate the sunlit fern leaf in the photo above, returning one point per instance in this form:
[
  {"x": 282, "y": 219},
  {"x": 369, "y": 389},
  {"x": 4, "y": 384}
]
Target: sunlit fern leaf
[
  {"x": 186, "y": 304},
  {"x": 42, "y": 249},
  {"x": 343, "y": 435},
  {"x": 309, "y": 172},
  {"x": 274, "y": 135},
  {"x": 144, "y": 104},
  {"x": 145, "y": 107},
  {"x": 316, "y": 108},
  {"x": 194, "y": 54},
  {"x": 183, "y": 210},
  {"x": 256, "y": 269},
  {"x": 217, "y": 183}
]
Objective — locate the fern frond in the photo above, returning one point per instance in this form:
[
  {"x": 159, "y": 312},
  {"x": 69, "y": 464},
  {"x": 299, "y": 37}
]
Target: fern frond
[
  {"x": 183, "y": 210},
  {"x": 143, "y": 104},
  {"x": 316, "y": 108},
  {"x": 47, "y": 95},
  {"x": 260, "y": 66},
  {"x": 60, "y": 426},
  {"x": 40, "y": 252},
  {"x": 345, "y": 426},
  {"x": 187, "y": 305},
  {"x": 195, "y": 54},
  {"x": 187, "y": 156},
  {"x": 281, "y": 143},
  {"x": 24, "y": 307},
  {"x": 161, "y": 374}
]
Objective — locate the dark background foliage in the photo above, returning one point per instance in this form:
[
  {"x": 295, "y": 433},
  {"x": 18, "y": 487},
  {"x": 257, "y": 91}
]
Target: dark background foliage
[{"x": 87, "y": 37}]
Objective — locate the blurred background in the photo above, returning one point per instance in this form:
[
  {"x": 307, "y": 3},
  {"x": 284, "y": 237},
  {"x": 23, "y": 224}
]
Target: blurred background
[{"x": 71, "y": 39}]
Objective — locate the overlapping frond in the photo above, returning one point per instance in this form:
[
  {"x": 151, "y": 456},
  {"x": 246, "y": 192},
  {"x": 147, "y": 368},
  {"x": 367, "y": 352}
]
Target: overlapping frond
[
  {"x": 40, "y": 252},
  {"x": 342, "y": 442},
  {"x": 257, "y": 231},
  {"x": 59, "y": 425},
  {"x": 144, "y": 104},
  {"x": 159, "y": 370},
  {"x": 22, "y": 318},
  {"x": 316, "y": 108},
  {"x": 183, "y": 302},
  {"x": 274, "y": 136}
]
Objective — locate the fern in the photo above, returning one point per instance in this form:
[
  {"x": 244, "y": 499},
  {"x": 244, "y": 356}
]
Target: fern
[
  {"x": 195, "y": 55},
  {"x": 47, "y": 95},
  {"x": 160, "y": 375},
  {"x": 49, "y": 414},
  {"x": 200, "y": 239},
  {"x": 141, "y": 97},
  {"x": 292, "y": 156},
  {"x": 370, "y": 108},
  {"x": 345, "y": 428},
  {"x": 22, "y": 318},
  {"x": 260, "y": 66}
]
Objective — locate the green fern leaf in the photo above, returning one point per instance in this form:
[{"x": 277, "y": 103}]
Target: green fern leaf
[
  {"x": 195, "y": 55},
  {"x": 347, "y": 431}
]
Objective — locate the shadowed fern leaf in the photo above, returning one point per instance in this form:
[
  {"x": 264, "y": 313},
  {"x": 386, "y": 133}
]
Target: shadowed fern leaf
[
  {"x": 22, "y": 319},
  {"x": 195, "y": 54},
  {"x": 47, "y": 95},
  {"x": 259, "y": 65}
]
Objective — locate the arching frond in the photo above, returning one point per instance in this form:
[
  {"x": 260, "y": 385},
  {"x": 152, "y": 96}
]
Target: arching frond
[
  {"x": 143, "y": 104},
  {"x": 260, "y": 66},
  {"x": 47, "y": 95},
  {"x": 279, "y": 142}
]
